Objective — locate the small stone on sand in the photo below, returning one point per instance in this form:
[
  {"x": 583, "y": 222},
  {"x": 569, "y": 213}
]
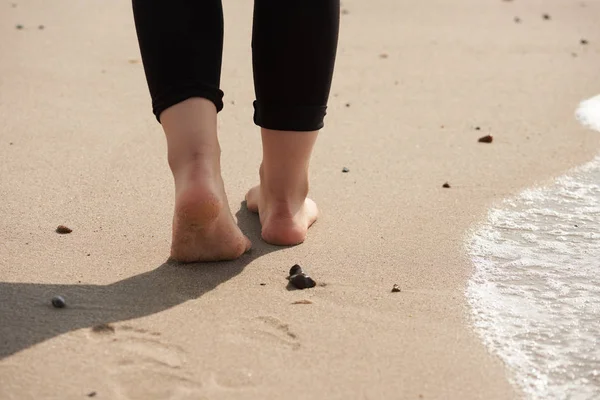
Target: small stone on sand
[
  {"x": 396, "y": 288},
  {"x": 583, "y": 41},
  {"x": 486, "y": 139},
  {"x": 302, "y": 281},
  {"x": 299, "y": 279},
  {"x": 19, "y": 26},
  {"x": 446, "y": 185},
  {"x": 345, "y": 170},
  {"x": 40, "y": 27},
  {"x": 546, "y": 16},
  {"x": 63, "y": 229},
  {"x": 91, "y": 394},
  {"x": 58, "y": 302},
  {"x": 296, "y": 269},
  {"x": 383, "y": 55}
]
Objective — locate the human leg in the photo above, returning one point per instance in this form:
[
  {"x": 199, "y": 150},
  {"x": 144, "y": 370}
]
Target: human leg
[
  {"x": 294, "y": 45},
  {"x": 181, "y": 46}
]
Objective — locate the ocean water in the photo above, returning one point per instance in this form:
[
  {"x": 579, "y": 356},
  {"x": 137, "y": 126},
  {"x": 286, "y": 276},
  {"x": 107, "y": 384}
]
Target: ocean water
[{"x": 535, "y": 292}]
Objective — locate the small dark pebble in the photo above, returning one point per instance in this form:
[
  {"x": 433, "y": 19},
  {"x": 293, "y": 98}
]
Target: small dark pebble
[
  {"x": 11, "y": 143},
  {"x": 296, "y": 269},
  {"x": 41, "y": 27},
  {"x": 576, "y": 226},
  {"x": 446, "y": 185},
  {"x": 19, "y": 26},
  {"x": 345, "y": 169},
  {"x": 345, "y": 12},
  {"x": 58, "y": 302},
  {"x": 103, "y": 328},
  {"x": 263, "y": 284},
  {"x": 88, "y": 254},
  {"x": 91, "y": 394},
  {"x": 477, "y": 128},
  {"x": 396, "y": 288},
  {"x": 347, "y": 104},
  {"x": 546, "y": 16},
  {"x": 517, "y": 20},
  {"x": 299, "y": 279},
  {"x": 63, "y": 229},
  {"x": 302, "y": 281},
  {"x": 486, "y": 139},
  {"x": 583, "y": 41}
]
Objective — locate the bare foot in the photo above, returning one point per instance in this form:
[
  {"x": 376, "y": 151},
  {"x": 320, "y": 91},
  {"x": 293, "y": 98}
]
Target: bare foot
[
  {"x": 284, "y": 223},
  {"x": 203, "y": 227},
  {"x": 281, "y": 199}
]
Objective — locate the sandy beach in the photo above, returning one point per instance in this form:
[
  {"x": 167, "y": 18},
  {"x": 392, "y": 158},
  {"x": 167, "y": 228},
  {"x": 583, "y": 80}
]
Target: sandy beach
[{"x": 416, "y": 85}]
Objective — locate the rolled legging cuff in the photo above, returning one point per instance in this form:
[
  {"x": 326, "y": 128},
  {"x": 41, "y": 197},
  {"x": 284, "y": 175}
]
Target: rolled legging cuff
[
  {"x": 289, "y": 118},
  {"x": 178, "y": 94}
]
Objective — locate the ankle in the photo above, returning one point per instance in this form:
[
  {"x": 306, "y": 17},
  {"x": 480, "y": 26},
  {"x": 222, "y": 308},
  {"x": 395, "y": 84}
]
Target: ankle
[
  {"x": 199, "y": 164},
  {"x": 182, "y": 155},
  {"x": 283, "y": 186},
  {"x": 191, "y": 131}
]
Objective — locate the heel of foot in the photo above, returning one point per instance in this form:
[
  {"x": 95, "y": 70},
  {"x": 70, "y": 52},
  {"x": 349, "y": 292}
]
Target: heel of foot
[
  {"x": 197, "y": 209},
  {"x": 283, "y": 233},
  {"x": 203, "y": 229}
]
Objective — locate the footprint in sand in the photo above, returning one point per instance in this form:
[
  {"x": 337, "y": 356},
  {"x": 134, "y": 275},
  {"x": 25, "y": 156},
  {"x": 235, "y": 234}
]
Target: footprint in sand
[
  {"x": 145, "y": 366},
  {"x": 273, "y": 330}
]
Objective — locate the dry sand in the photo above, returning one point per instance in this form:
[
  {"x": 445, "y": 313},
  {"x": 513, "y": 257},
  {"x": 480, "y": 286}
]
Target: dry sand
[{"x": 79, "y": 146}]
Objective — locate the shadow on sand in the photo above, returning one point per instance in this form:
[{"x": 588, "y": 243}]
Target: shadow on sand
[{"x": 27, "y": 318}]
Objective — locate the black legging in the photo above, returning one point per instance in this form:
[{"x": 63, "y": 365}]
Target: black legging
[{"x": 293, "y": 54}]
